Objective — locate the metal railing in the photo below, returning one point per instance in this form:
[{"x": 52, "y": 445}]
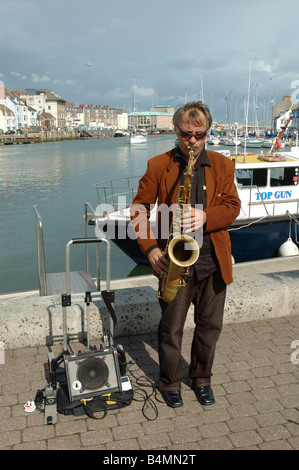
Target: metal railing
[
  {"x": 109, "y": 192},
  {"x": 41, "y": 262},
  {"x": 41, "y": 259}
]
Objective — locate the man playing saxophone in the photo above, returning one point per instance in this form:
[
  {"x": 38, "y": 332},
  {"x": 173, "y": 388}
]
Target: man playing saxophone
[{"x": 213, "y": 206}]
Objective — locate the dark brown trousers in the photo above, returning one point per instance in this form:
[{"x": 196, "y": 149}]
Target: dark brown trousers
[{"x": 208, "y": 297}]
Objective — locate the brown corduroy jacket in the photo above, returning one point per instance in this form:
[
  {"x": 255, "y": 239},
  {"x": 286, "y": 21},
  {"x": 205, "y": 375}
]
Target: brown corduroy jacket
[{"x": 161, "y": 183}]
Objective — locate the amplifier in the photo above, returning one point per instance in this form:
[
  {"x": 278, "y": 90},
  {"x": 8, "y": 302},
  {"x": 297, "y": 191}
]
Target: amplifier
[{"x": 92, "y": 373}]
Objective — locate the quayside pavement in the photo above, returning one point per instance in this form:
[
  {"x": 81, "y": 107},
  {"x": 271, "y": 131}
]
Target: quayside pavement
[{"x": 255, "y": 384}]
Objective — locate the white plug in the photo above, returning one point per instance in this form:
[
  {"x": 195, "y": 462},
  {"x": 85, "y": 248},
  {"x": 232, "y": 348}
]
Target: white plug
[{"x": 29, "y": 406}]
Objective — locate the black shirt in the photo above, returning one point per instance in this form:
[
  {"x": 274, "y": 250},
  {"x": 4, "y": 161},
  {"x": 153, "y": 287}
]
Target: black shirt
[{"x": 207, "y": 262}]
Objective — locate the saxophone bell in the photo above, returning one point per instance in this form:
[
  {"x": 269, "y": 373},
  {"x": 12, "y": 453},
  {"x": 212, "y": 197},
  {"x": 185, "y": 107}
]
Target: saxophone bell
[{"x": 183, "y": 250}]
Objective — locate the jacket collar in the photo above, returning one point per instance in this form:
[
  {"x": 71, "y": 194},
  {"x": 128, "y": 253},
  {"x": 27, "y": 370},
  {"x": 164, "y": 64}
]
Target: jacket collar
[{"x": 173, "y": 176}]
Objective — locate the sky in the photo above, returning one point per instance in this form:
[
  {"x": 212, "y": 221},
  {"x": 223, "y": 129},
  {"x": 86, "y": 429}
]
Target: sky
[{"x": 227, "y": 53}]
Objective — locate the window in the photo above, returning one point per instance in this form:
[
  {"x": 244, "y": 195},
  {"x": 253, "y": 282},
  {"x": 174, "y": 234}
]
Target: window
[
  {"x": 260, "y": 177},
  {"x": 287, "y": 176},
  {"x": 256, "y": 177}
]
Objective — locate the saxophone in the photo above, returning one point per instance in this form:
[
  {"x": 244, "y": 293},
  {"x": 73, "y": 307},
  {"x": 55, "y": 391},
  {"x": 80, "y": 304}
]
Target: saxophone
[{"x": 181, "y": 250}]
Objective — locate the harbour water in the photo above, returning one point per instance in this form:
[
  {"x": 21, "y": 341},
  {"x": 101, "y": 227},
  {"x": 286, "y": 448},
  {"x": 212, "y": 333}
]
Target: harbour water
[{"x": 59, "y": 178}]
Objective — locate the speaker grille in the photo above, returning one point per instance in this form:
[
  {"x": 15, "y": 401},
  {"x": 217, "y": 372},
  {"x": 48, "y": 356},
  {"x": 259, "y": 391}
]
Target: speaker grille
[{"x": 92, "y": 373}]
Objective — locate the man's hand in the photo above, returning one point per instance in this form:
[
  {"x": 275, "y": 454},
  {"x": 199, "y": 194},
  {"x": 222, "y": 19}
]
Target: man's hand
[
  {"x": 158, "y": 261},
  {"x": 193, "y": 219}
]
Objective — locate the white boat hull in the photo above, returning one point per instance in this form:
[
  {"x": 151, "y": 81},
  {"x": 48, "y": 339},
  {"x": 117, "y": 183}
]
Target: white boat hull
[{"x": 138, "y": 139}]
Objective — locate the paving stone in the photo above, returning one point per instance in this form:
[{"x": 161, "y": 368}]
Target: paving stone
[
  {"x": 255, "y": 384},
  {"x": 245, "y": 438}
]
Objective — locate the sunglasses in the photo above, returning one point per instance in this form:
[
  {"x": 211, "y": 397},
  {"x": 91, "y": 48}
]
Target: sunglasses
[{"x": 188, "y": 135}]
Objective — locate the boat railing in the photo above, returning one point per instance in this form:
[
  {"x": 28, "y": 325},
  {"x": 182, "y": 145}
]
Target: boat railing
[{"x": 116, "y": 193}]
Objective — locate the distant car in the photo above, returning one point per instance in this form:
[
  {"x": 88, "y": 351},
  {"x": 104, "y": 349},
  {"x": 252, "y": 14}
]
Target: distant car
[{"x": 10, "y": 132}]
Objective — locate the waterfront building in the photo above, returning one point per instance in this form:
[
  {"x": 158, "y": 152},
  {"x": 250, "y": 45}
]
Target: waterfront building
[
  {"x": 14, "y": 112},
  {"x": 35, "y": 99},
  {"x": 74, "y": 115},
  {"x": 19, "y": 109},
  {"x": 33, "y": 119},
  {"x": 26, "y": 116},
  {"x": 281, "y": 113},
  {"x": 159, "y": 117},
  {"x": 16, "y": 117},
  {"x": 102, "y": 116},
  {"x": 44, "y": 100},
  {"x": 47, "y": 120},
  {"x": 283, "y": 106},
  {"x": 7, "y": 119},
  {"x": 122, "y": 121}
]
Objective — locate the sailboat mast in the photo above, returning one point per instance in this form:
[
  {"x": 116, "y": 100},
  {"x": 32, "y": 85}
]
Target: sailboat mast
[
  {"x": 134, "y": 95},
  {"x": 247, "y": 109}
]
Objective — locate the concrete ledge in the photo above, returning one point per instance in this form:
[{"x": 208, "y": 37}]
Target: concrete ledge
[
  {"x": 262, "y": 296},
  {"x": 27, "y": 320}
]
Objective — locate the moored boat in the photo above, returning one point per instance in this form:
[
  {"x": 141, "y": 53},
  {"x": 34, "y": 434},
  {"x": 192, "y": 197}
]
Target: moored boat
[
  {"x": 154, "y": 132},
  {"x": 138, "y": 138},
  {"x": 213, "y": 140},
  {"x": 232, "y": 142},
  {"x": 252, "y": 143},
  {"x": 120, "y": 133}
]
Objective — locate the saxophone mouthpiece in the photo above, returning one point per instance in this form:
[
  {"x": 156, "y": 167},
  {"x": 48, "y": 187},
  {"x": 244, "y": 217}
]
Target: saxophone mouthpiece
[{"x": 191, "y": 153}]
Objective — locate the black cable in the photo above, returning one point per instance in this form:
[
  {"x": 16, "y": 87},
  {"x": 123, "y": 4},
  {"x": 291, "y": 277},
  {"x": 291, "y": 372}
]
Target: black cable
[
  {"x": 294, "y": 422},
  {"x": 146, "y": 398}
]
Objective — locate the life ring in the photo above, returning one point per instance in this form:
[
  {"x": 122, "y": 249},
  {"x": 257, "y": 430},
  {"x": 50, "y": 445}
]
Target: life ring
[{"x": 272, "y": 158}]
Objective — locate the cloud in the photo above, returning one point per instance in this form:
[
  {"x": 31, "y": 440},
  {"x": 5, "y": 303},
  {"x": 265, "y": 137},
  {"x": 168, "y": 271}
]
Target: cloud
[
  {"x": 38, "y": 79},
  {"x": 65, "y": 82},
  {"x": 141, "y": 91},
  {"x": 113, "y": 24},
  {"x": 118, "y": 93},
  {"x": 267, "y": 66},
  {"x": 17, "y": 74}
]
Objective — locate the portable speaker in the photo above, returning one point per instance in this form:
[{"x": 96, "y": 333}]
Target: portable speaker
[{"x": 92, "y": 373}]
